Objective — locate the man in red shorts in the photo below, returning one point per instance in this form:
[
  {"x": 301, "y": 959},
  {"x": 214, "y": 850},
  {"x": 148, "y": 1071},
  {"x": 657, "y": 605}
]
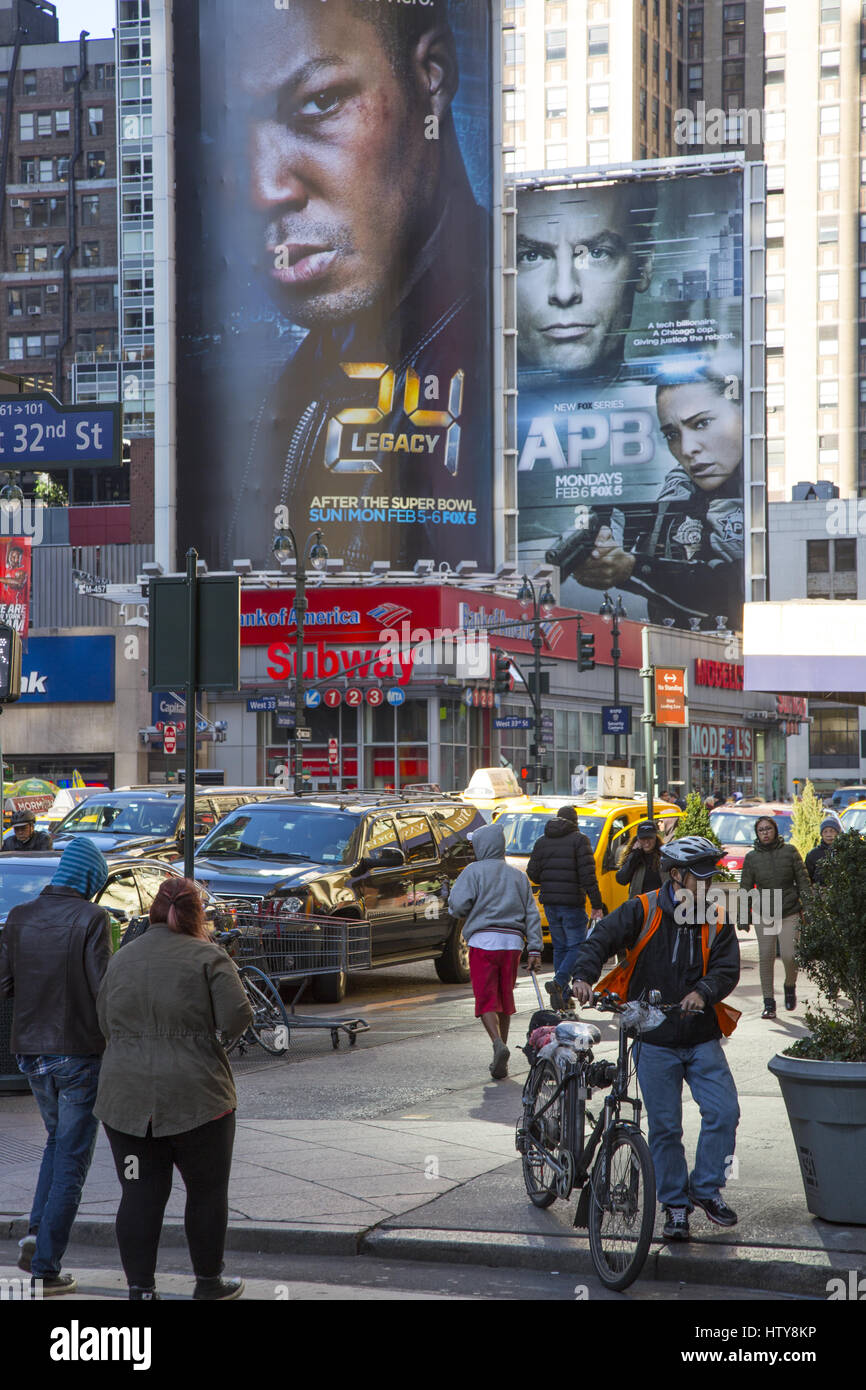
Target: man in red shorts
[{"x": 501, "y": 917}]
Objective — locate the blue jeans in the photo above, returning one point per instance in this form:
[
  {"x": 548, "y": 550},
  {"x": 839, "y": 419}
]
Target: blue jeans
[
  {"x": 661, "y": 1072},
  {"x": 65, "y": 1098},
  {"x": 568, "y": 933}
]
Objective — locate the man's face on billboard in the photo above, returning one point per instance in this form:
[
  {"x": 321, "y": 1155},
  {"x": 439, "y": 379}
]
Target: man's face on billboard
[
  {"x": 577, "y": 274},
  {"x": 704, "y": 432},
  {"x": 339, "y": 163}
]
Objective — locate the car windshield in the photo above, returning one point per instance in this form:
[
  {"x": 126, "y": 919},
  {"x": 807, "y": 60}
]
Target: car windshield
[
  {"x": 855, "y": 819},
  {"x": 283, "y": 832},
  {"x": 139, "y": 816},
  {"x": 522, "y": 828},
  {"x": 22, "y": 880},
  {"x": 736, "y": 829}
]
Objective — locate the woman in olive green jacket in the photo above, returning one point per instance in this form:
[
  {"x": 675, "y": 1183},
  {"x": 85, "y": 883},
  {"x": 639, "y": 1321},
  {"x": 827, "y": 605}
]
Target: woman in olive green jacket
[
  {"x": 166, "y": 1095},
  {"x": 774, "y": 866}
]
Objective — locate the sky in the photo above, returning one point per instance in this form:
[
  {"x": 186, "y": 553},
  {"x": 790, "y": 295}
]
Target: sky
[{"x": 95, "y": 15}]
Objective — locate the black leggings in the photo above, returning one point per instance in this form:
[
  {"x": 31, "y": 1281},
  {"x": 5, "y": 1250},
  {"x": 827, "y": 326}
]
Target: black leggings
[{"x": 203, "y": 1157}]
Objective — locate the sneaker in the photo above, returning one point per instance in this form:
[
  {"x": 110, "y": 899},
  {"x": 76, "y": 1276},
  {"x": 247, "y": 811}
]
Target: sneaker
[
  {"x": 138, "y": 1295},
  {"x": 218, "y": 1290},
  {"x": 676, "y": 1226},
  {"x": 499, "y": 1065},
  {"x": 554, "y": 989},
  {"x": 27, "y": 1246},
  {"x": 769, "y": 1009},
  {"x": 790, "y": 997},
  {"x": 54, "y": 1284},
  {"x": 716, "y": 1209}
]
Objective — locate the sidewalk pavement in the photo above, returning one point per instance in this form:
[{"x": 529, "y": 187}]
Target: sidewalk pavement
[{"x": 442, "y": 1182}]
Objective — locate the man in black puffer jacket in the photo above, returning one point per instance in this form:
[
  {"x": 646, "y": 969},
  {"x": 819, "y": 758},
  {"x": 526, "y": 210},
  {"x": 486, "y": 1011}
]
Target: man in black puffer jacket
[{"x": 561, "y": 863}]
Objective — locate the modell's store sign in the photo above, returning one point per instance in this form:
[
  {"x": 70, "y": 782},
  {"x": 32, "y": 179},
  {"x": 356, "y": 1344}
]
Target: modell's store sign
[
  {"x": 722, "y": 675},
  {"x": 722, "y": 741}
]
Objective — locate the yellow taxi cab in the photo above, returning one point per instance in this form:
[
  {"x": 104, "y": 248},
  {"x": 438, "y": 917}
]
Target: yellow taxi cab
[
  {"x": 609, "y": 823},
  {"x": 854, "y": 817},
  {"x": 495, "y": 789}
]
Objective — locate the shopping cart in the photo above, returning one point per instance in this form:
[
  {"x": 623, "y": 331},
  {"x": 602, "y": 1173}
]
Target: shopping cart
[{"x": 292, "y": 947}]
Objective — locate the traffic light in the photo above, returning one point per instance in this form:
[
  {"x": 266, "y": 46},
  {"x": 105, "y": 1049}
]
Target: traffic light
[
  {"x": 525, "y": 774},
  {"x": 503, "y": 681},
  {"x": 585, "y": 651},
  {"x": 10, "y": 664}
]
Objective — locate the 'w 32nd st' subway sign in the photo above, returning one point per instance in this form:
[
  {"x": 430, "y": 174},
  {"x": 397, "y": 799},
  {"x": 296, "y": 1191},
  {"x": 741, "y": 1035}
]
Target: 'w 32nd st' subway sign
[{"x": 37, "y": 431}]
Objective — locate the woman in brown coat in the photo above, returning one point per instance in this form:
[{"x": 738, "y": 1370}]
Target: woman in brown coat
[{"x": 166, "y": 1095}]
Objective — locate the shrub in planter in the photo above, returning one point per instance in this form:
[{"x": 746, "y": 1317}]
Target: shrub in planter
[
  {"x": 823, "y": 1076},
  {"x": 832, "y": 952}
]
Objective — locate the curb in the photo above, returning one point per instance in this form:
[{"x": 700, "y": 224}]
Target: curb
[{"x": 774, "y": 1269}]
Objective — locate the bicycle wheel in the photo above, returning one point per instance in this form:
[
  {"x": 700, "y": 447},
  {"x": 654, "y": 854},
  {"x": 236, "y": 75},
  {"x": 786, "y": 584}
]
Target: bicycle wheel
[
  {"x": 622, "y": 1208},
  {"x": 270, "y": 1026},
  {"x": 546, "y": 1129}
]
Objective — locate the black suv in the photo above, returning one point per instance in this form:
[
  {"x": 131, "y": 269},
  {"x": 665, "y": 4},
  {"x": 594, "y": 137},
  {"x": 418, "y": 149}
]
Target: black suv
[
  {"x": 388, "y": 858},
  {"x": 149, "y": 821}
]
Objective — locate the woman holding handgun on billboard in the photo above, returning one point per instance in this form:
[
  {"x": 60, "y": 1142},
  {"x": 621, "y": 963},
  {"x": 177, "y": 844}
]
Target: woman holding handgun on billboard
[{"x": 689, "y": 563}]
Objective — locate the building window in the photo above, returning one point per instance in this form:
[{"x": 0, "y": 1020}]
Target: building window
[
  {"x": 829, "y": 120},
  {"x": 599, "y": 96},
  {"x": 828, "y": 393},
  {"x": 834, "y": 736},
  {"x": 828, "y": 287},
  {"x": 828, "y": 175},
  {"x": 556, "y": 102},
  {"x": 61, "y": 123},
  {"x": 26, "y": 125},
  {"x": 830, "y": 63},
  {"x": 830, "y": 12},
  {"x": 96, "y": 164},
  {"x": 90, "y": 210},
  {"x": 696, "y": 78},
  {"x": 515, "y": 49},
  {"x": 90, "y": 253},
  {"x": 554, "y": 45},
  {"x": 39, "y": 212},
  {"x": 104, "y": 73},
  {"x": 828, "y": 230},
  {"x": 95, "y": 120},
  {"x": 44, "y": 125},
  {"x": 597, "y": 40},
  {"x": 63, "y": 168},
  {"x": 16, "y": 348},
  {"x": 69, "y": 78},
  {"x": 556, "y": 157},
  {"x": 515, "y": 106},
  {"x": 29, "y": 80},
  {"x": 831, "y": 568},
  {"x": 598, "y": 151},
  {"x": 774, "y": 70}
]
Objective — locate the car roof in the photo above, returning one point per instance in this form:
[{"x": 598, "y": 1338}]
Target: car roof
[
  {"x": 360, "y": 802},
  {"x": 603, "y": 806},
  {"x": 762, "y": 808}
]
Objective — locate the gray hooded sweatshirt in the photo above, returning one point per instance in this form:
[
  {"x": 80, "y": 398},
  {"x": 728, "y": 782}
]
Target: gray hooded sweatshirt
[{"x": 491, "y": 895}]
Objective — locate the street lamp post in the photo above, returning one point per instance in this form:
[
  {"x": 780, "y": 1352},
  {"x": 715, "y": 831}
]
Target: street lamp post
[
  {"x": 286, "y": 546},
  {"x": 608, "y": 613},
  {"x": 542, "y": 606}
]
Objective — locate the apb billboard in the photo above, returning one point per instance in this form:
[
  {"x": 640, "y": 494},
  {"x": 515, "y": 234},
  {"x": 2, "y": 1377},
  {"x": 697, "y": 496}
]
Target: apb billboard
[
  {"x": 334, "y": 327},
  {"x": 631, "y": 432}
]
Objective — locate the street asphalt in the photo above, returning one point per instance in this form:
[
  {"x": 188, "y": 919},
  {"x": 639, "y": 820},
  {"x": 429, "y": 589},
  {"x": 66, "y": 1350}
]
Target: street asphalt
[{"x": 402, "y": 1149}]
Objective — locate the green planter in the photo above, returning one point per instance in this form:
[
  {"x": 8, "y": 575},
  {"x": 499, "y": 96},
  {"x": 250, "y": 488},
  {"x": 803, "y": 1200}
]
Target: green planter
[{"x": 826, "y": 1104}]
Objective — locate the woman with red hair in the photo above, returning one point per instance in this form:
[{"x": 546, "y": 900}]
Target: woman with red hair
[{"x": 166, "y": 1095}]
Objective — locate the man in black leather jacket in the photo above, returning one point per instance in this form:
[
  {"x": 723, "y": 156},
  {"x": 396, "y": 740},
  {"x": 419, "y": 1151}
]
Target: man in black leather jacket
[
  {"x": 54, "y": 952},
  {"x": 561, "y": 863}
]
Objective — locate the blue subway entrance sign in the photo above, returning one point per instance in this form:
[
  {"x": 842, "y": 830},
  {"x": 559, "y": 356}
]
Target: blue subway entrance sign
[{"x": 38, "y": 432}]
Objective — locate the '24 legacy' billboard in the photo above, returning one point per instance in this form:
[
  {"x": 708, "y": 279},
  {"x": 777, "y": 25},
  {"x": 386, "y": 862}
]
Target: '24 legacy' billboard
[
  {"x": 630, "y": 376},
  {"x": 334, "y": 180}
]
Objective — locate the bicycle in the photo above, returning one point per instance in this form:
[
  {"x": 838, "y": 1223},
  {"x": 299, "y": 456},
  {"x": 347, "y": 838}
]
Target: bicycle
[
  {"x": 613, "y": 1168},
  {"x": 270, "y": 1026}
]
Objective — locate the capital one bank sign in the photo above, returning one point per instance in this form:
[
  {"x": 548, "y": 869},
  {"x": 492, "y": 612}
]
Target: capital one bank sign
[{"x": 721, "y": 741}]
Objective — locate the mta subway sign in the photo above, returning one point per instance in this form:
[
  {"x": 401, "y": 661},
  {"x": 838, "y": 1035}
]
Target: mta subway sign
[{"x": 38, "y": 432}]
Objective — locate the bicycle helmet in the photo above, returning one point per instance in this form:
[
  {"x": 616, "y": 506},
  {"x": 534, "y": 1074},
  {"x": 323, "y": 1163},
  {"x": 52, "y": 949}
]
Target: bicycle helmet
[{"x": 694, "y": 854}]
